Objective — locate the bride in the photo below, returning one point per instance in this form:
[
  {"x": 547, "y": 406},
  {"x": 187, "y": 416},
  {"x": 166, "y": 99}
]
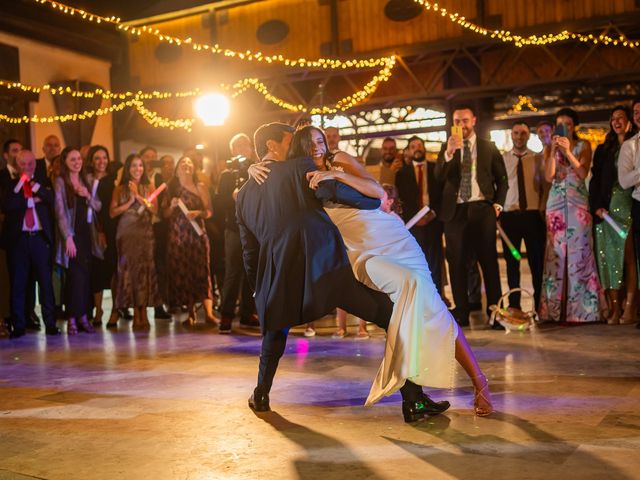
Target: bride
[{"x": 423, "y": 339}]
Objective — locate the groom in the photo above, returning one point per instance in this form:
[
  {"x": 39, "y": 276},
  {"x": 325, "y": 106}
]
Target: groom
[{"x": 296, "y": 261}]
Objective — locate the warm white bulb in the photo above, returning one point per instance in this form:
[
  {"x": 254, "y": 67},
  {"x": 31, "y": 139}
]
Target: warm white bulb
[{"x": 212, "y": 108}]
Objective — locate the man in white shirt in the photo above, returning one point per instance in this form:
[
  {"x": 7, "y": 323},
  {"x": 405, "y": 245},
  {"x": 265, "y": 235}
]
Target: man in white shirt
[
  {"x": 474, "y": 188},
  {"x": 629, "y": 175},
  {"x": 522, "y": 217}
]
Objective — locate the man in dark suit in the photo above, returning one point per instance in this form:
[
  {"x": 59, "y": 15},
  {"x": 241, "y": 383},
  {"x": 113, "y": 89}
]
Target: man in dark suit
[
  {"x": 51, "y": 148},
  {"x": 295, "y": 258},
  {"x": 475, "y": 186},
  {"x": 28, "y": 236},
  {"x": 417, "y": 187}
]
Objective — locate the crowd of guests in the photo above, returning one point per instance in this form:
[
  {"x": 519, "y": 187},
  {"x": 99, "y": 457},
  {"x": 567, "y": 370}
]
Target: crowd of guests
[{"x": 162, "y": 234}]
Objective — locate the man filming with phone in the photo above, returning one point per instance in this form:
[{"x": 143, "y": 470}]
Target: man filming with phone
[{"x": 475, "y": 186}]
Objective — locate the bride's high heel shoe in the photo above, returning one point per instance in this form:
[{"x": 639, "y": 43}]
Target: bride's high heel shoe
[{"x": 482, "y": 398}]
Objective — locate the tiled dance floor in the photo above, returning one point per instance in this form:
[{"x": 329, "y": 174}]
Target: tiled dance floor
[{"x": 172, "y": 404}]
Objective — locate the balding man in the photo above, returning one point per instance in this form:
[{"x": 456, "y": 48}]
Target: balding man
[
  {"x": 28, "y": 237},
  {"x": 333, "y": 138},
  {"x": 51, "y": 148}
]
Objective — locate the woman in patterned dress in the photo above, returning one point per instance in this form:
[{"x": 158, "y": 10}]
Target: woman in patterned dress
[
  {"x": 570, "y": 285},
  {"x": 189, "y": 279},
  {"x": 136, "y": 281},
  {"x": 614, "y": 254}
]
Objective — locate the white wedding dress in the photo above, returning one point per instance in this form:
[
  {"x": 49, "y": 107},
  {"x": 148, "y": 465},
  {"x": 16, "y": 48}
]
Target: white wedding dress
[{"x": 421, "y": 336}]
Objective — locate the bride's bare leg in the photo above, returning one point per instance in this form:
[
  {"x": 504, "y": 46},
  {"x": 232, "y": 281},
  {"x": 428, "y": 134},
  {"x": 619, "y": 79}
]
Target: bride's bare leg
[{"x": 466, "y": 358}]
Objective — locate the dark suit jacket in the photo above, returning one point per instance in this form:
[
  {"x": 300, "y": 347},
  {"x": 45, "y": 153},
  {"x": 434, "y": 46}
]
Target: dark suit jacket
[
  {"x": 14, "y": 206},
  {"x": 293, "y": 254},
  {"x": 407, "y": 186},
  {"x": 604, "y": 176},
  {"x": 491, "y": 174},
  {"x": 41, "y": 172}
]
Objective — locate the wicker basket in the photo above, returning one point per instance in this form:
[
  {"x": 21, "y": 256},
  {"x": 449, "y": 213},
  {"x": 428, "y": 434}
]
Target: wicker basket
[{"x": 512, "y": 318}]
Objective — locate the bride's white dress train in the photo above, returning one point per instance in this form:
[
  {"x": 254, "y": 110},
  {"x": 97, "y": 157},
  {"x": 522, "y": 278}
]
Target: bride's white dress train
[{"x": 421, "y": 337}]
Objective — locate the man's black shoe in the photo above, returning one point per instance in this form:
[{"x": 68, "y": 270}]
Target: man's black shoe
[
  {"x": 259, "y": 402},
  {"x": 53, "y": 331},
  {"x": 251, "y": 321},
  {"x": 225, "y": 326},
  {"x": 33, "y": 322},
  {"x": 160, "y": 312},
  {"x": 416, "y": 410},
  {"x": 17, "y": 333}
]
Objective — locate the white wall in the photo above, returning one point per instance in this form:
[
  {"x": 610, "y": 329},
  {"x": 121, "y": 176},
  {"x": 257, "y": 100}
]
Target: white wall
[{"x": 41, "y": 63}]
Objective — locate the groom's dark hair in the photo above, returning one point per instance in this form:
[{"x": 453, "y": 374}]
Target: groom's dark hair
[{"x": 270, "y": 131}]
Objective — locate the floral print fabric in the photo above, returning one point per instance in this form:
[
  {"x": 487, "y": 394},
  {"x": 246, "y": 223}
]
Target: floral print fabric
[{"x": 570, "y": 273}]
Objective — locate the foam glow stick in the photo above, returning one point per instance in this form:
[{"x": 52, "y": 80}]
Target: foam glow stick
[
  {"x": 614, "y": 225},
  {"x": 416, "y": 218},
  {"x": 194, "y": 224},
  {"x": 23, "y": 178},
  {"x": 94, "y": 189},
  {"x": 514, "y": 251},
  {"x": 152, "y": 196}
]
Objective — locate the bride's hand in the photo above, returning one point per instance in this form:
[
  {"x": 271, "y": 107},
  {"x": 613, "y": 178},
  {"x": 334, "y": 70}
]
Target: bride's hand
[
  {"x": 259, "y": 172},
  {"x": 318, "y": 176}
]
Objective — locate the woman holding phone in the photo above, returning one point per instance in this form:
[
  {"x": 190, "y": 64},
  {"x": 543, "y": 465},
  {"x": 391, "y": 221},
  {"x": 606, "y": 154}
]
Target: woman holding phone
[{"x": 570, "y": 285}]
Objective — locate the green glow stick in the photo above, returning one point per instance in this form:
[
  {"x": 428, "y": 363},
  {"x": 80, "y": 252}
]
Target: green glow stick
[
  {"x": 514, "y": 251},
  {"x": 614, "y": 225}
]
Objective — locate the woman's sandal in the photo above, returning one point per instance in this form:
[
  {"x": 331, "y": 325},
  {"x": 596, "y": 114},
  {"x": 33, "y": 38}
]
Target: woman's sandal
[{"x": 482, "y": 398}]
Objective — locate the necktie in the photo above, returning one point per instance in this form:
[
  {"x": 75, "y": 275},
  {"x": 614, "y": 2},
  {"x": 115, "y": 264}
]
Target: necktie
[
  {"x": 29, "y": 219},
  {"x": 420, "y": 185},
  {"x": 522, "y": 193},
  {"x": 465, "y": 181}
]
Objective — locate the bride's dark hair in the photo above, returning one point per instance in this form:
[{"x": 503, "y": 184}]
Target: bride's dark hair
[{"x": 302, "y": 144}]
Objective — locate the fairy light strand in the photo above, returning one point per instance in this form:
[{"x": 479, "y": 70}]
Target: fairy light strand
[
  {"x": 521, "y": 41},
  {"x": 523, "y": 101},
  {"x": 247, "y": 55}
]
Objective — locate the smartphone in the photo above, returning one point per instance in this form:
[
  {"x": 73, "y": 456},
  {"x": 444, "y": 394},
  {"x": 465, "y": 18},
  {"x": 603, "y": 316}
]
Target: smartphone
[
  {"x": 561, "y": 130},
  {"x": 456, "y": 131}
]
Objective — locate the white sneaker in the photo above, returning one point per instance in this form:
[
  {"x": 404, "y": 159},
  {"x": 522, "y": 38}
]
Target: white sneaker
[{"x": 309, "y": 332}]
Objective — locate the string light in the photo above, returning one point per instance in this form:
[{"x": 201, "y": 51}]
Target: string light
[
  {"x": 247, "y": 55},
  {"x": 158, "y": 121},
  {"x": 70, "y": 117},
  {"x": 99, "y": 92},
  {"x": 520, "y": 41},
  {"x": 523, "y": 101},
  {"x": 153, "y": 118}
]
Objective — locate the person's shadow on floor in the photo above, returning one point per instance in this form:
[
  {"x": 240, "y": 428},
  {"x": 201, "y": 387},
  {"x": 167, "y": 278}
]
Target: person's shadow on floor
[
  {"x": 326, "y": 457},
  {"x": 493, "y": 455}
]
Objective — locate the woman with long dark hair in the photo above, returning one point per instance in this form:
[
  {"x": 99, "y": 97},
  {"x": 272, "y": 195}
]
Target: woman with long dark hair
[
  {"x": 615, "y": 255},
  {"x": 103, "y": 271},
  {"x": 570, "y": 287},
  {"x": 78, "y": 243},
  {"x": 136, "y": 282},
  {"x": 422, "y": 339},
  {"x": 189, "y": 279}
]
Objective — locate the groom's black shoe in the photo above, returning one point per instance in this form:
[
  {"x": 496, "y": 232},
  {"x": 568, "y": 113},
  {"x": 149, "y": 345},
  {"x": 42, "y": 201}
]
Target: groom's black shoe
[
  {"x": 414, "y": 410},
  {"x": 259, "y": 402}
]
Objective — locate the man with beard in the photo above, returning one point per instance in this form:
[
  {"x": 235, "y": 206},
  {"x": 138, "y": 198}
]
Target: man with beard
[
  {"x": 474, "y": 189},
  {"x": 391, "y": 161},
  {"x": 417, "y": 187}
]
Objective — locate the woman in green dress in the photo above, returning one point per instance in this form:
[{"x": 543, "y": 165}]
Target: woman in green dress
[{"x": 614, "y": 253}]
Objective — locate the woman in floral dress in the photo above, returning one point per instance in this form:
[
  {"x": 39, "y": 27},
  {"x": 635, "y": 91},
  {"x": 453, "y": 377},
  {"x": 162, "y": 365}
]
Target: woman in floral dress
[{"x": 570, "y": 285}]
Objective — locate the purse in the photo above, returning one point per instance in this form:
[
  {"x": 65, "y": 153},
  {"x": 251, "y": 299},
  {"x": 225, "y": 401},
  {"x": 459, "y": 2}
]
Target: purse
[{"x": 513, "y": 319}]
